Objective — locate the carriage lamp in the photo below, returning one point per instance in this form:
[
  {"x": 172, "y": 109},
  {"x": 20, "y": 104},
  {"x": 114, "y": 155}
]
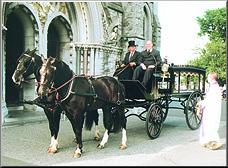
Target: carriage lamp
[{"x": 164, "y": 69}]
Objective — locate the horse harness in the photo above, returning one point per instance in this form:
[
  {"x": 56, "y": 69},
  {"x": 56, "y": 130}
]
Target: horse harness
[
  {"x": 95, "y": 96},
  {"x": 92, "y": 94}
]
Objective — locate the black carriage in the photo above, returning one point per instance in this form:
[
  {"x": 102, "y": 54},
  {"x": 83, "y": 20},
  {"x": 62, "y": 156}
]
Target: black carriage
[{"x": 177, "y": 83}]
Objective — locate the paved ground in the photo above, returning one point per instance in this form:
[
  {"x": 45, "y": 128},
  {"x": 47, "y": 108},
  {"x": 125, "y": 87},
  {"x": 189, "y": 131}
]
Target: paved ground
[{"x": 177, "y": 145}]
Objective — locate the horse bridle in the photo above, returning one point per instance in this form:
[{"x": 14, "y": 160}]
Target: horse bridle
[
  {"x": 51, "y": 81},
  {"x": 28, "y": 65}
]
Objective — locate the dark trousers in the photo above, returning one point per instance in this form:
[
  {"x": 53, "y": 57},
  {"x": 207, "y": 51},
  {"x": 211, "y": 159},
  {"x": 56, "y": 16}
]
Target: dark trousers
[{"x": 147, "y": 75}]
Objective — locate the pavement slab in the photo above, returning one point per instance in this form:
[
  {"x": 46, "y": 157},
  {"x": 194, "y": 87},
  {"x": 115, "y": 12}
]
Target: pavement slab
[{"x": 177, "y": 145}]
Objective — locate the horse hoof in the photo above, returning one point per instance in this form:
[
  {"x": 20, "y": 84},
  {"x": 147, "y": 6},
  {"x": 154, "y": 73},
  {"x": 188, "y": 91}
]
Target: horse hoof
[
  {"x": 52, "y": 150},
  {"x": 99, "y": 146},
  {"x": 77, "y": 155},
  {"x": 122, "y": 147}
]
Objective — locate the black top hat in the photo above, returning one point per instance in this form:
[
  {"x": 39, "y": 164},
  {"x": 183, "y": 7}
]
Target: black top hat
[{"x": 131, "y": 43}]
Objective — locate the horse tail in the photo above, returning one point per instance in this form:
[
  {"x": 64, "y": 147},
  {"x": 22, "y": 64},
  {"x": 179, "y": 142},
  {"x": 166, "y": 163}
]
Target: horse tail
[
  {"x": 91, "y": 116},
  {"x": 118, "y": 112}
]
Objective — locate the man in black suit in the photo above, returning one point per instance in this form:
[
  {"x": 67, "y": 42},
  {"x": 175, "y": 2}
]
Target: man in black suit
[
  {"x": 130, "y": 62},
  {"x": 150, "y": 59}
]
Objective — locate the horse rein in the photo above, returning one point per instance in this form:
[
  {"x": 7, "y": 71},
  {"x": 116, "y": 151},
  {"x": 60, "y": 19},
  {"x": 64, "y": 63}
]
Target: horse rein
[
  {"x": 58, "y": 88},
  {"x": 50, "y": 91}
]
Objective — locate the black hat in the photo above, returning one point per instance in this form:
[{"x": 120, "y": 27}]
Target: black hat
[{"x": 131, "y": 43}]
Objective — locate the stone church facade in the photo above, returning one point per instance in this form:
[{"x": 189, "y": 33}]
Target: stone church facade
[{"x": 90, "y": 36}]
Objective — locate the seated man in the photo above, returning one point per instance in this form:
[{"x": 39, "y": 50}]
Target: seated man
[
  {"x": 150, "y": 59},
  {"x": 129, "y": 63}
]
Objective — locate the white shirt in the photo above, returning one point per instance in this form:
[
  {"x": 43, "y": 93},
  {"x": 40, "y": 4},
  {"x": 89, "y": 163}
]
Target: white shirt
[
  {"x": 149, "y": 50},
  {"x": 131, "y": 54}
]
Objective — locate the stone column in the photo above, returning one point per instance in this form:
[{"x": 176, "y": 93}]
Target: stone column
[
  {"x": 92, "y": 61},
  {"x": 85, "y": 60},
  {"x": 4, "y": 110},
  {"x": 73, "y": 59},
  {"x": 78, "y": 60},
  {"x": 133, "y": 23},
  {"x": 156, "y": 25}
]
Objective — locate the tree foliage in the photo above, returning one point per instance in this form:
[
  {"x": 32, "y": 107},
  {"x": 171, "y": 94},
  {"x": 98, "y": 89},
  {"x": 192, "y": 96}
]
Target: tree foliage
[
  {"x": 213, "y": 55},
  {"x": 213, "y": 24},
  {"x": 213, "y": 58}
]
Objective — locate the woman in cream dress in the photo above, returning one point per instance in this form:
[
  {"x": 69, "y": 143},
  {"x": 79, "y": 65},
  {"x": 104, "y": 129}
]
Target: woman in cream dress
[{"x": 211, "y": 109}]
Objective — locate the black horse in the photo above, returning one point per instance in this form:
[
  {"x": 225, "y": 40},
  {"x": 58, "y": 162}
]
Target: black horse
[
  {"x": 79, "y": 94},
  {"x": 30, "y": 63}
]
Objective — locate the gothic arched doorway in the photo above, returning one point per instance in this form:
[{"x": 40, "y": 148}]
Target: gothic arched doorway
[
  {"x": 53, "y": 41},
  {"x": 20, "y": 35},
  {"x": 14, "y": 47},
  {"x": 59, "y": 37}
]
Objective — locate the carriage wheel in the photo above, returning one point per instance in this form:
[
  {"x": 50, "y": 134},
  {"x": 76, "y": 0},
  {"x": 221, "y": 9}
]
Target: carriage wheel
[
  {"x": 193, "y": 120},
  {"x": 154, "y": 120},
  {"x": 164, "y": 102}
]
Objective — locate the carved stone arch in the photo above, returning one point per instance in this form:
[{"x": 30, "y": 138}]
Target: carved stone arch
[
  {"x": 78, "y": 22},
  {"x": 59, "y": 36},
  {"x": 84, "y": 11},
  {"x": 147, "y": 22},
  {"x": 95, "y": 22},
  {"x": 22, "y": 24},
  {"x": 30, "y": 15},
  {"x": 72, "y": 11},
  {"x": 106, "y": 12},
  {"x": 112, "y": 22}
]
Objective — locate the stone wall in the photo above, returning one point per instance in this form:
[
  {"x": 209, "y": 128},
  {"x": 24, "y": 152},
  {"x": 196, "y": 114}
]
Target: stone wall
[{"x": 103, "y": 29}]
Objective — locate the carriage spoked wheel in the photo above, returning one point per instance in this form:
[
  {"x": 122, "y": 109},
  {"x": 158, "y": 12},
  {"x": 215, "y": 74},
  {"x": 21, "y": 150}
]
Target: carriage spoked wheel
[
  {"x": 154, "y": 120},
  {"x": 192, "y": 118},
  {"x": 164, "y": 102}
]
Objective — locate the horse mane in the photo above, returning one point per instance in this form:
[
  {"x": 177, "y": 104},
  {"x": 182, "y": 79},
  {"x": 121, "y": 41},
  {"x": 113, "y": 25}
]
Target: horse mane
[
  {"x": 27, "y": 52},
  {"x": 63, "y": 70},
  {"x": 61, "y": 64},
  {"x": 21, "y": 56},
  {"x": 38, "y": 59}
]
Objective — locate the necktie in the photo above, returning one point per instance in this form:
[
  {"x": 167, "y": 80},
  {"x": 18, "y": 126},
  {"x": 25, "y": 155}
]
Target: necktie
[{"x": 130, "y": 56}]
